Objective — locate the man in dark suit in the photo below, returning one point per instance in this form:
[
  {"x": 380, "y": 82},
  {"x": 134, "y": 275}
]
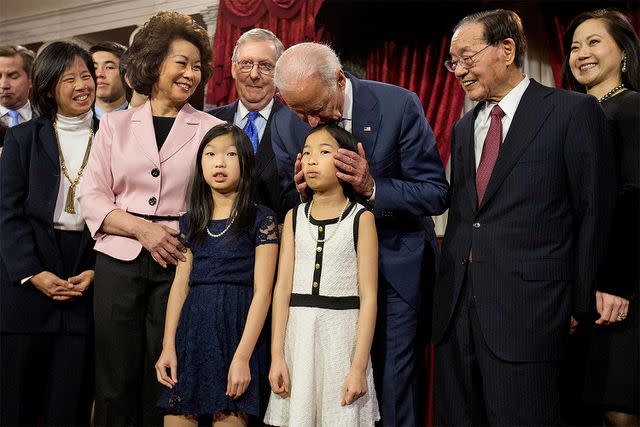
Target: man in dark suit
[
  {"x": 398, "y": 170},
  {"x": 530, "y": 187},
  {"x": 253, "y": 63}
]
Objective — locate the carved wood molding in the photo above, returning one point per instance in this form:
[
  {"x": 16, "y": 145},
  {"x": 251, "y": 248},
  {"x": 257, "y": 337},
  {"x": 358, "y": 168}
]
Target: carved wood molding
[{"x": 90, "y": 17}]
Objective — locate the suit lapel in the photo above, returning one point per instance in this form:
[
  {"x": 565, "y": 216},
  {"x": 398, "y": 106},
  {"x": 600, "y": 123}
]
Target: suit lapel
[
  {"x": 227, "y": 112},
  {"x": 530, "y": 115},
  {"x": 182, "y": 131},
  {"x": 265, "y": 154},
  {"x": 468, "y": 162},
  {"x": 145, "y": 135},
  {"x": 365, "y": 120},
  {"x": 49, "y": 141}
]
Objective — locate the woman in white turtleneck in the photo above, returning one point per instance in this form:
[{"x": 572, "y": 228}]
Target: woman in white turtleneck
[{"x": 46, "y": 251}]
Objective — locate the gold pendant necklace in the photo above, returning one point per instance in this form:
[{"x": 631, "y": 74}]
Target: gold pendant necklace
[{"x": 69, "y": 205}]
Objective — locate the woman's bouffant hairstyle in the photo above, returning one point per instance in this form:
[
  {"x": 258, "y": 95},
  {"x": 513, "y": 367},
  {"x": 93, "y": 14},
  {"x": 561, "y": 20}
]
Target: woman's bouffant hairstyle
[
  {"x": 621, "y": 30},
  {"x": 47, "y": 70},
  {"x": 151, "y": 44},
  {"x": 347, "y": 141},
  {"x": 200, "y": 200}
]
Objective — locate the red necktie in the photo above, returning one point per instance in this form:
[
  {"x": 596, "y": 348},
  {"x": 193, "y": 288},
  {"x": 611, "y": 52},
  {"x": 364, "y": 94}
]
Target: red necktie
[{"x": 490, "y": 151}]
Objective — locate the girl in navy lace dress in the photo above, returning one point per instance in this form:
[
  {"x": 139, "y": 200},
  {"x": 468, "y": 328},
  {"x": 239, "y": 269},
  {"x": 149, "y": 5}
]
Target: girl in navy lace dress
[{"x": 213, "y": 356}]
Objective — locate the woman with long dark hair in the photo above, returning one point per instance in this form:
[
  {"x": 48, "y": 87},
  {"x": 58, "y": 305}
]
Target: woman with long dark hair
[
  {"x": 135, "y": 191},
  {"x": 46, "y": 251},
  {"x": 602, "y": 59}
]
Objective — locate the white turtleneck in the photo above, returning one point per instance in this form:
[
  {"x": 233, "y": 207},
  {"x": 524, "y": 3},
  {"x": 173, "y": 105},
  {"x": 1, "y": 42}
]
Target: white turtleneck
[{"x": 74, "y": 136}]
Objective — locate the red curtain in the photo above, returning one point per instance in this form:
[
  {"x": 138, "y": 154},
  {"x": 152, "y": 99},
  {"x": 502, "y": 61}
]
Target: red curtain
[
  {"x": 293, "y": 21},
  {"x": 420, "y": 69}
]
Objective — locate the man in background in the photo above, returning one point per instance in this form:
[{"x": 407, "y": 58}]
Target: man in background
[
  {"x": 110, "y": 87},
  {"x": 253, "y": 64},
  {"x": 15, "y": 83}
]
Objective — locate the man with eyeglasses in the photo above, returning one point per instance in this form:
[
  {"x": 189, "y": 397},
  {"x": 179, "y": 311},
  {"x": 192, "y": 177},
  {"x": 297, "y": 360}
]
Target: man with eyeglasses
[
  {"x": 399, "y": 171},
  {"x": 253, "y": 63},
  {"x": 531, "y": 202}
]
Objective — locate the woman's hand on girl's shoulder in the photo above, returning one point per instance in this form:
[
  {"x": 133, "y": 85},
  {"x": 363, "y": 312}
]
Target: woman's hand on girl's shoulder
[
  {"x": 167, "y": 360},
  {"x": 355, "y": 386},
  {"x": 279, "y": 377},
  {"x": 239, "y": 377}
]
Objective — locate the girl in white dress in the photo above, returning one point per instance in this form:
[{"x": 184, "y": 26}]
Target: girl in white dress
[{"x": 325, "y": 299}]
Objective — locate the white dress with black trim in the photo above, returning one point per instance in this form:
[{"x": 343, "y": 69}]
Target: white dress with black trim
[{"x": 322, "y": 328}]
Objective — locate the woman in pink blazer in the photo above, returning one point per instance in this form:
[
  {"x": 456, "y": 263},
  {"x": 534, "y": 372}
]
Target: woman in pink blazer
[{"x": 134, "y": 190}]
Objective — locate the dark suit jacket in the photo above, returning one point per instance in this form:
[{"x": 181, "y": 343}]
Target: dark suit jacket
[
  {"x": 406, "y": 167},
  {"x": 29, "y": 181},
  {"x": 268, "y": 190},
  {"x": 537, "y": 236}
]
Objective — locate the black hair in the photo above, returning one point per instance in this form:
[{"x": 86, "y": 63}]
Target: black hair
[
  {"x": 108, "y": 46},
  {"x": 117, "y": 50},
  {"x": 347, "y": 141},
  {"x": 49, "y": 66},
  {"x": 500, "y": 24},
  {"x": 619, "y": 27},
  {"x": 200, "y": 200}
]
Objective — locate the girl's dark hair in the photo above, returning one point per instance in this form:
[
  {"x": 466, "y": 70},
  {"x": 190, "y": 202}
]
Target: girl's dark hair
[
  {"x": 201, "y": 202},
  {"x": 621, "y": 30},
  {"x": 151, "y": 44},
  {"x": 49, "y": 66},
  {"x": 348, "y": 142}
]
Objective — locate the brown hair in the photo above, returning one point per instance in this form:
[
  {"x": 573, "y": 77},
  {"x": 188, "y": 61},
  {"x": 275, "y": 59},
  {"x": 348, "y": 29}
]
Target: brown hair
[
  {"x": 151, "y": 44},
  {"x": 27, "y": 56}
]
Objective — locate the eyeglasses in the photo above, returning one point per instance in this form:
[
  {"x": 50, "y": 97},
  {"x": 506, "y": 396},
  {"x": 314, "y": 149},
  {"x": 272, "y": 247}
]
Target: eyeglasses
[
  {"x": 465, "y": 62},
  {"x": 246, "y": 66}
]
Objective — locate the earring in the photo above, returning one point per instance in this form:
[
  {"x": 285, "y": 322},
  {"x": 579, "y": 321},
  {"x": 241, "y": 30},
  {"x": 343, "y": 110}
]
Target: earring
[{"x": 624, "y": 64}]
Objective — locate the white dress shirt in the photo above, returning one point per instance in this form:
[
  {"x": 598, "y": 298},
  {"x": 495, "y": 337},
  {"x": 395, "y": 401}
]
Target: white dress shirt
[
  {"x": 508, "y": 104},
  {"x": 242, "y": 115},
  {"x": 25, "y": 114}
]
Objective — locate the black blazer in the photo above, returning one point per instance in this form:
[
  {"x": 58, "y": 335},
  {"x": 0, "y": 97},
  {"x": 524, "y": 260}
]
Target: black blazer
[
  {"x": 268, "y": 189},
  {"x": 538, "y": 236},
  {"x": 29, "y": 181}
]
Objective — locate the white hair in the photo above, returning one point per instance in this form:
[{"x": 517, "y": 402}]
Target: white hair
[
  {"x": 305, "y": 60},
  {"x": 257, "y": 35}
]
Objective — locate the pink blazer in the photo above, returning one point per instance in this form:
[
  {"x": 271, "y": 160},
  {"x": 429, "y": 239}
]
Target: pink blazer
[{"x": 126, "y": 171}]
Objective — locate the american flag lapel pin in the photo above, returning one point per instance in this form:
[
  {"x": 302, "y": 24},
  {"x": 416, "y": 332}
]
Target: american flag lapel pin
[{"x": 367, "y": 129}]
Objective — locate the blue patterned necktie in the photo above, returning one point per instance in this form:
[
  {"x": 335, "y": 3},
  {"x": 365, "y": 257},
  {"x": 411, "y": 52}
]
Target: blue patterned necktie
[
  {"x": 251, "y": 129},
  {"x": 15, "y": 115}
]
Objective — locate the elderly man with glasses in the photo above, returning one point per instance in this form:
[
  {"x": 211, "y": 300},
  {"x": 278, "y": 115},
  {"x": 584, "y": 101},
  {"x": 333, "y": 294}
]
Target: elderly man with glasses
[
  {"x": 530, "y": 206},
  {"x": 253, "y": 64}
]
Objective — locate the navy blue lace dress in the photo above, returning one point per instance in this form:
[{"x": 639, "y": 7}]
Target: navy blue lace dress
[{"x": 213, "y": 318}]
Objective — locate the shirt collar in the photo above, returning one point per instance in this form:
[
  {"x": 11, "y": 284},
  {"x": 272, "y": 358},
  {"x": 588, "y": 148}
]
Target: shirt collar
[
  {"x": 25, "y": 111},
  {"x": 509, "y": 103},
  {"x": 347, "y": 108},
  {"x": 265, "y": 112}
]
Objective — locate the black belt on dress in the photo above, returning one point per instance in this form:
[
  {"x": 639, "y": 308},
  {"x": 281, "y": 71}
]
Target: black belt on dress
[
  {"x": 155, "y": 217},
  {"x": 323, "y": 301}
]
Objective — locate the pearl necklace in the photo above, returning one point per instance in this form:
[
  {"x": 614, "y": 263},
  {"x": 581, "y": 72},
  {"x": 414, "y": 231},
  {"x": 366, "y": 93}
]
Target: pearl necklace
[
  {"x": 612, "y": 92},
  {"x": 215, "y": 236},
  {"x": 310, "y": 228}
]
